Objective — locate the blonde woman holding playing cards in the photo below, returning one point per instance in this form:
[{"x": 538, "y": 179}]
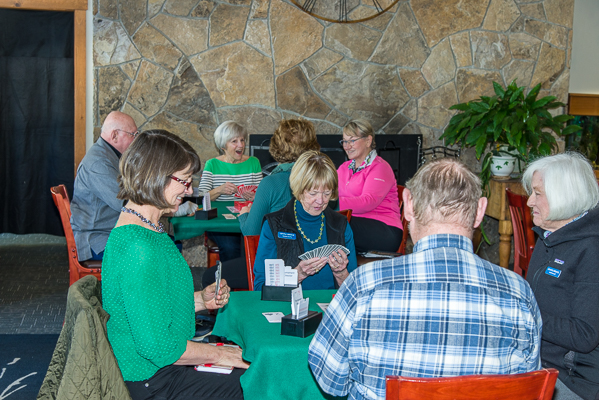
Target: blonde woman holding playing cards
[{"x": 305, "y": 224}]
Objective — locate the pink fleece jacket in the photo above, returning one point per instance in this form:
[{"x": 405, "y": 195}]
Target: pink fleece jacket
[{"x": 370, "y": 193}]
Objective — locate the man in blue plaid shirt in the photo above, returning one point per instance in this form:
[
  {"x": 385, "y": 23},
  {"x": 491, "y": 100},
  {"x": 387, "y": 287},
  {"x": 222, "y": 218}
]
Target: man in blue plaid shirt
[{"x": 440, "y": 311}]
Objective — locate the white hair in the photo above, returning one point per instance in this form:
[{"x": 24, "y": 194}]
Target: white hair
[
  {"x": 227, "y": 131},
  {"x": 569, "y": 183}
]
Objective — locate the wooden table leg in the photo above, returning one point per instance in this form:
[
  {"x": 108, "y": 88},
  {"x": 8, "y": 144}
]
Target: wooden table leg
[{"x": 505, "y": 242}]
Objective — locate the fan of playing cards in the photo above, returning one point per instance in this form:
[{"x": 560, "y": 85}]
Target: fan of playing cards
[
  {"x": 242, "y": 189},
  {"x": 323, "y": 251}
]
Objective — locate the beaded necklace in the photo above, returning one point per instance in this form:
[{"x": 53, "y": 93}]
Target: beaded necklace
[
  {"x": 300, "y": 228},
  {"x": 159, "y": 228}
]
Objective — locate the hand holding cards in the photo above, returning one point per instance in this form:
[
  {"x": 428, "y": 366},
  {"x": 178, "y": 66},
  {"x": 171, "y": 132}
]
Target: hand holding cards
[
  {"x": 323, "y": 251},
  {"x": 243, "y": 189}
]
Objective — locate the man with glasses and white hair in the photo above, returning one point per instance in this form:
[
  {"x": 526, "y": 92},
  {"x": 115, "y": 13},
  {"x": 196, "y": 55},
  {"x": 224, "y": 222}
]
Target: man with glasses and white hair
[
  {"x": 440, "y": 311},
  {"x": 95, "y": 208}
]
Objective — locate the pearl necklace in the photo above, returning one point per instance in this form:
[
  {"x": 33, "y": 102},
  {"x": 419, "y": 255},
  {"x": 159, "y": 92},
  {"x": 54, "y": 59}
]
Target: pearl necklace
[
  {"x": 159, "y": 228},
  {"x": 300, "y": 228}
]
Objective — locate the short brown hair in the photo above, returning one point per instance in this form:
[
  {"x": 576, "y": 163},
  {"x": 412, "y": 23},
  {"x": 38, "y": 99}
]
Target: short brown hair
[
  {"x": 147, "y": 165},
  {"x": 313, "y": 169},
  {"x": 445, "y": 191},
  {"x": 360, "y": 128},
  {"x": 292, "y": 138}
]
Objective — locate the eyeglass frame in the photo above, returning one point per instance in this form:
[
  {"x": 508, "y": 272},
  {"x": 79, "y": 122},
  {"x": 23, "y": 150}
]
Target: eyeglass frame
[
  {"x": 134, "y": 134},
  {"x": 351, "y": 142},
  {"x": 182, "y": 182}
]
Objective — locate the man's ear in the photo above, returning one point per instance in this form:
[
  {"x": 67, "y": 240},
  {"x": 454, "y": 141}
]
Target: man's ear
[
  {"x": 480, "y": 211},
  {"x": 114, "y": 135},
  {"x": 408, "y": 205}
]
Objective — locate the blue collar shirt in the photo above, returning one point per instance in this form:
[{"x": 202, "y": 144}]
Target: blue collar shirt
[{"x": 440, "y": 311}]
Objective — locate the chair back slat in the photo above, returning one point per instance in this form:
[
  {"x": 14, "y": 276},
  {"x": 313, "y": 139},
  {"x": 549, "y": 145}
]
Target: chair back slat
[
  {"x": 536, "y": 385},
  {"x": 524, "y": 236},
  {"x": 251, "y": 246},
  {"x": 76, "y": 269},
  {"x": 404, "y": 223}
]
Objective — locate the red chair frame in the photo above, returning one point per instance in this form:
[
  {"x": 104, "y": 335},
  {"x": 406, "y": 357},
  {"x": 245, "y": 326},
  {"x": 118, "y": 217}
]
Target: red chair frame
[
  {"x": 536, "y": 385},
  {"x": 524, "y": 236},
  {"x": 77, "y": 270}
]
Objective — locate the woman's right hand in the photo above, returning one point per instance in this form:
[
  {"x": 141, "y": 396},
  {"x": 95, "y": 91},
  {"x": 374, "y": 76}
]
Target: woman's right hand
[
  {"x": 227, "y": 188},
  {"x": 231, "y": 357},
  {"x": 245, "y": 209},
  {"x": 310, "y": 267}
]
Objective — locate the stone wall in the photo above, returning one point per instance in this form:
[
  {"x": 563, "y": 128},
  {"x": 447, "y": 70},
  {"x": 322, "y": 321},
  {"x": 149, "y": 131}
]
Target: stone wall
[{"x": 188, "y": 65}]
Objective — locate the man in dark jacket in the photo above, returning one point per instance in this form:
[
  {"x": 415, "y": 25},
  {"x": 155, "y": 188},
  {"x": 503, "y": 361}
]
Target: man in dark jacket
[{"x": 95, "y": 207}]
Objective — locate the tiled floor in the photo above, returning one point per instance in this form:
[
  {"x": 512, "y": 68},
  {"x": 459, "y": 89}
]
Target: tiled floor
[{"x": 34, "y": 279}]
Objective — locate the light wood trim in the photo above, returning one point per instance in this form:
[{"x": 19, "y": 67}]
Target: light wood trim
[
  {"x": 79, "y": 7},
  {"x": 46, "y": 5},
  {"x": 79, "y": 81},
  {"x": 583, "y": 104}
]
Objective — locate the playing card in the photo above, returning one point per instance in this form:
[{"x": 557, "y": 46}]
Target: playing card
[
  {"x": 242, "y": 189},
  {"x": 323, "y": 251},
  {"x": 218, "y": 275},
  {"x": 229, "y": 216}
]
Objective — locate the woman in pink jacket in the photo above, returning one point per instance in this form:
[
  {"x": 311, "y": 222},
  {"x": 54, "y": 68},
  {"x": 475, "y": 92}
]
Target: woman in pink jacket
[{"x": 368, "y": 187}]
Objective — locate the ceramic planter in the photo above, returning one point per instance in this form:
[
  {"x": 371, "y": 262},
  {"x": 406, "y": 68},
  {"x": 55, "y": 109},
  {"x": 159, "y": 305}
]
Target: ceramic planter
[{"x": 502, "y": 166}]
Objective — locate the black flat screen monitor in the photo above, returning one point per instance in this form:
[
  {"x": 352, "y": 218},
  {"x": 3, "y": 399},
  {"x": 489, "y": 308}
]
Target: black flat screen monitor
[{"x": 402, "y": 152}]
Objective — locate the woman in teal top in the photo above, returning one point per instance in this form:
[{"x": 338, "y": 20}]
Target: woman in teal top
[
  {"x": 147, "y": 285},
  {"x": 291, "y": 139}
]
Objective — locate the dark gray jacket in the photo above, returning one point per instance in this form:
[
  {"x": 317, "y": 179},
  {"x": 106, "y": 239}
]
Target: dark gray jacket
[
  {"x": 564, "y": 276},
  {"x": 95, "y": 208}
]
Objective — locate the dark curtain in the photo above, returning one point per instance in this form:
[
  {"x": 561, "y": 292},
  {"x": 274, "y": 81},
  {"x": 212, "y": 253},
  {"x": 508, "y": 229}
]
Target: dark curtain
[{"x": 36, "y": 117}]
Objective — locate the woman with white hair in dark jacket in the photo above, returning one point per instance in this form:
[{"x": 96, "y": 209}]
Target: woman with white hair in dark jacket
[{"x": 564, "y": 269}]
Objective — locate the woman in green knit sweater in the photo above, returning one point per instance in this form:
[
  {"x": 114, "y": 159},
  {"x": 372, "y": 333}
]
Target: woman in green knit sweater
[{"x": 147, "y": 285}]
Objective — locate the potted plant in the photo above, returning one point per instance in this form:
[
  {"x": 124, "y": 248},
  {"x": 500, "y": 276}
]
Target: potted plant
[
  {"x": 510, "y": 123},
  {"x": 587, "y": 140}
]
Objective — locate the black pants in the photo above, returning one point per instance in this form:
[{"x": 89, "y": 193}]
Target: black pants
[
  {"x": 370, "y": 234},
  {"x": 184, "y": 382},
  {"x": 229, "y": 244},
  {"x": 234, "y": 272}
]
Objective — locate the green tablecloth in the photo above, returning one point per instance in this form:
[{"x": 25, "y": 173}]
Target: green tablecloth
[
  {"x": 279, "y": 367},
  {"x": 188, "y": 227}
]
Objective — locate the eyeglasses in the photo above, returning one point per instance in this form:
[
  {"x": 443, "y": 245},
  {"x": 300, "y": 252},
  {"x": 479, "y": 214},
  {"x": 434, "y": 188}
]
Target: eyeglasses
[
  {"x": 350, "y": 142},
  {"x": 182, "y": 182},
  {"x": 134, "y": 134}
]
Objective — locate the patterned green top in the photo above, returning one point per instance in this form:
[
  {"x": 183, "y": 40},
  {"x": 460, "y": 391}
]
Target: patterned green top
[{"x": 147, "y": 289}]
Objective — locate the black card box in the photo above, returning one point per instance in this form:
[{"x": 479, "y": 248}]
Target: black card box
[
  {"x": 300, "y": 327},
  {"x": 277, "y": 293},
  {"x": 212, "y": 213}
]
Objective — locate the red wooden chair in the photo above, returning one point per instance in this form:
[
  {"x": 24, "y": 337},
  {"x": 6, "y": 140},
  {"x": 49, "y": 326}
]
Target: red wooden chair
[
  {"x": 77, "y": 270},
  {"x": 347, "y": 214},
  {"x": 404, "y": 239},
  {"x": 536, "y": 385},
  {"x": 251, "y": 246},
  {"x": 524, "y": 236}
]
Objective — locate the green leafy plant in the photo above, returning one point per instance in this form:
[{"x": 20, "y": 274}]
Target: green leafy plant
[
  {"x": 587, "y": 140},
  {"x": 510, "y": 118}
]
